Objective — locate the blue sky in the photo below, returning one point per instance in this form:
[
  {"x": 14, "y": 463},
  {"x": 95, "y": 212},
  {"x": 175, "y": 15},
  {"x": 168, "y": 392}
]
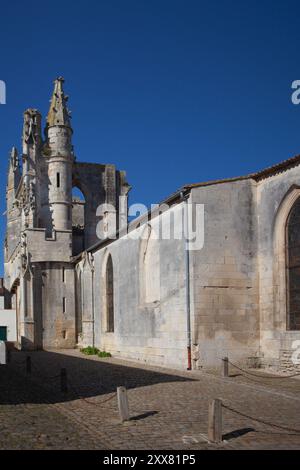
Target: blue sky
[{"x": 173, "y": 92}]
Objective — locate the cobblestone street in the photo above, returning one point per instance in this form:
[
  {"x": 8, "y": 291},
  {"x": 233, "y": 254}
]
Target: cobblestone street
[{"x": 168, "y": 408}]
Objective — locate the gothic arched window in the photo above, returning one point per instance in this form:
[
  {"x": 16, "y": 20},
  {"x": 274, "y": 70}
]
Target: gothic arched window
[
  {"x": 293, "y": 267},
  {"x": 151, "y": 266},
  {"x": 109, "y": 280}
]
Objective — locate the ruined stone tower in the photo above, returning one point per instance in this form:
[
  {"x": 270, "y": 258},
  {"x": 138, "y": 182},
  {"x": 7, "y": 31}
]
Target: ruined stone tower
[
  {"x": 60, "y": 160},
  {"x": 47, "y": 227}
]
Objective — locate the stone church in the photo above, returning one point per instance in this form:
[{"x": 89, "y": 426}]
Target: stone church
[{"x": 78, "y": 273}]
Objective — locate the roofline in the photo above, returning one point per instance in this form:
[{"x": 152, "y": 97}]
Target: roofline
[
  {"x": 185, "y": 190},
  {"x": 257, "y": 176},
  {"x": 179, "y": 195},
  {"x": 221, "y": 181}
]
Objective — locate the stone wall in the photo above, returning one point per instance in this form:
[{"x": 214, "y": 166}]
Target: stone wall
[
  {"x": 224, "y": 275},
  {"x": 147, "y": 330},
  {"x": 55, "y": 305},
  {"x": 286, "y": 363},
  {"x": 8, "y": 319},
  {"x": 99, "y": 184},
  {"x": 275, "y": 197},
  {"x": 58, "y": 247}
]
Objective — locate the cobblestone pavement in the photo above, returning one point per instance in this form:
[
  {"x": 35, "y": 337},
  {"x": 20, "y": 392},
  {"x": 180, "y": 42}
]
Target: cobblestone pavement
[{"x": 168, "y": 407}]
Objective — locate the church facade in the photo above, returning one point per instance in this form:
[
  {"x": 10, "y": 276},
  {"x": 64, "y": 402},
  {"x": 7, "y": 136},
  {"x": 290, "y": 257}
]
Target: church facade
[{"x": 212, "y": 271}]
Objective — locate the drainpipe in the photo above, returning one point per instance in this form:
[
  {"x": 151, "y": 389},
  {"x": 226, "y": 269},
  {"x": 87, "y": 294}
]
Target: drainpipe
[
  {"x": 93, "y": 300},
  {"x": 93, "y": 308},
  {"x": 187, "y": 280}
]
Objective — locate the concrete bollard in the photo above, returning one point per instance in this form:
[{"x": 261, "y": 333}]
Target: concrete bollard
[
  {"x": 215, "y": 421},
  {"x": 63, "y": 381},
  {"x": 225, "y": 367},
  {"x": 28, "y": 365},
  {"x": 123, "y": 404},
  {"x": 3, "y": 353}
]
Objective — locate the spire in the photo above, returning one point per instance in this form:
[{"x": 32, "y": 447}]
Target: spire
[{"x": 59, "y": 114}]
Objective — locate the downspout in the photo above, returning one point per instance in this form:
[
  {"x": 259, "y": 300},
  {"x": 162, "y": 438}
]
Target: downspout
[
  {"x": 187, "y": 279},
  {"x": 92, "y": 267},
  {"x": 93, "y": 308}
]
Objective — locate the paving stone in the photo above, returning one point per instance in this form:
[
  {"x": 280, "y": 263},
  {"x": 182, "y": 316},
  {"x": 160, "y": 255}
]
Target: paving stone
[{"x": 168, "y": 408}]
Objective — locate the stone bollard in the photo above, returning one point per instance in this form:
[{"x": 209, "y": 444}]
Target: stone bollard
[
  {"x": 123, "y": 404},
  {"x": 215, "y": 421},
  {"x": 225, "y": 367},
  {"x": 63, "y": 381},
  {"x": 28, "y": 365},
  {"x": 3, "y": 353}
]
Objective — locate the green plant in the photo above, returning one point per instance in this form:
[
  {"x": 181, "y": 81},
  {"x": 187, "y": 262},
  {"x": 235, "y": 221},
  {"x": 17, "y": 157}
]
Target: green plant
[
  {"x": 90, "y": 351},
  {"x": 104, "y": 354}
]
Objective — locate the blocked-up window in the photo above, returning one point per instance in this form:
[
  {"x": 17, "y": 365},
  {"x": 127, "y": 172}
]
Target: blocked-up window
[
  {"x": 109, "y": 278},
  {"x": 151, "y": 261},
  {"x": 293, "y": 267}
]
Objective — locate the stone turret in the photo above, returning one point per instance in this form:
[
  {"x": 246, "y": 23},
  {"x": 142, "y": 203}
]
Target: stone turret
[
  {"x": 59, "y": 153},
  {"x": 13, "y": 179},
  {"x": 31, "y": 143},
  {"x": 32, "y": 139}
]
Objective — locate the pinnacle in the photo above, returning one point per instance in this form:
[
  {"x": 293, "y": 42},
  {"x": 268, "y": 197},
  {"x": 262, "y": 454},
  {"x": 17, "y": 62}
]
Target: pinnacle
[{"x": 59, "y": 114}]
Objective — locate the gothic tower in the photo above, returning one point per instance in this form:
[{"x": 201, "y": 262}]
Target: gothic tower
[
  {"x": 60, "y": 159},
  {"x": 47, "y": 228}
]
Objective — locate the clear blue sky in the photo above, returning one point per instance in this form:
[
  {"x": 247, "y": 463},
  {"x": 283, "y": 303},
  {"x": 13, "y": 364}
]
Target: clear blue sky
[{"x": 172, "y": 91}]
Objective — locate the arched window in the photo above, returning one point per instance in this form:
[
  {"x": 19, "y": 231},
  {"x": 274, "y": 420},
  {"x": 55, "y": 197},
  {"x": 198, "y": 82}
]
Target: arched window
[
  {"x": 293, "y": 267},
  {"x": 109, "y": 292},
  {"x": 150, "y": 266}
]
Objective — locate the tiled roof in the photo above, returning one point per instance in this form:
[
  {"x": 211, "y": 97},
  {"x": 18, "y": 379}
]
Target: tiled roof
[{"x": 270, "y": 171}]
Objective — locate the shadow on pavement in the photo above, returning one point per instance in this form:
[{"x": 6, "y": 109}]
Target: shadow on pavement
[
  {"x": 237, "y": 433},
  {"x": 86, "y": 378}
]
